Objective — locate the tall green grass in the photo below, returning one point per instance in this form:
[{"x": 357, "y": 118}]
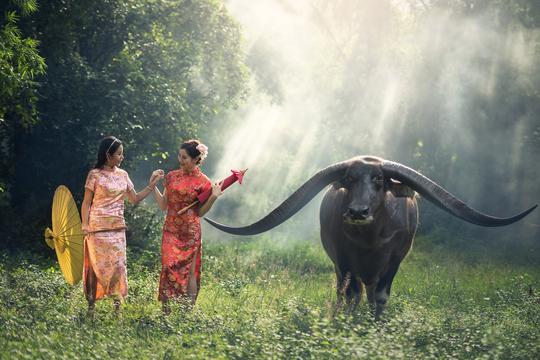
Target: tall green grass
[{"x": 266, "y": 299}]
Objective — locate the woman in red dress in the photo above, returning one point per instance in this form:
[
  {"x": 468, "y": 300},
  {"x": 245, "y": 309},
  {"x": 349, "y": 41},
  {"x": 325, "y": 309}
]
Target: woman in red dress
[{"x": 181, "y": 241}]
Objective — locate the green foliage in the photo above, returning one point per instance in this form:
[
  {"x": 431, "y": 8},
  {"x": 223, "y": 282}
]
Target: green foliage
[
  {"x": 145, "y": 223},
  {"x": 149, "y": 72},
  {"x": 20, "y": 64},
  {"x": 263, "y": 299},
  {"x": 144, "y": 233}
]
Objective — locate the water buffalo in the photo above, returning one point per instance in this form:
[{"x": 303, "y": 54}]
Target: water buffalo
[{"x": 368, "y": 216}]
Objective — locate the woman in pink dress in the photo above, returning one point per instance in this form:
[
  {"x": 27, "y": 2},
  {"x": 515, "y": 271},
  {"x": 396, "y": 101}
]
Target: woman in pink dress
[
  {"x": 181, "y": 241},
  {"x": 103, "y": 222}
]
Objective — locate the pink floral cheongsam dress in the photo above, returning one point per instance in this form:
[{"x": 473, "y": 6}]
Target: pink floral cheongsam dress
[{"x": 105, "y": 271}]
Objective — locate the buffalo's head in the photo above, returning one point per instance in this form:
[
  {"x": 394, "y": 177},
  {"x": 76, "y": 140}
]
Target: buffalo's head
[
  {"x": 365, "y": 179},
  {"x": 364, "y": 188}
]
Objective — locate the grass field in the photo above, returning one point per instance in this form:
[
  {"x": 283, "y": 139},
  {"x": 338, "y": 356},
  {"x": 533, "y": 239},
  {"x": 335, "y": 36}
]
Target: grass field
[{"x": 268, "y": 299}]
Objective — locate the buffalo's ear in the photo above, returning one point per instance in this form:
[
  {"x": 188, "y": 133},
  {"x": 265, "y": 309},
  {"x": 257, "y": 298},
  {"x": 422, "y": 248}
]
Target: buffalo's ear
[{"x": 398, "y": 189}]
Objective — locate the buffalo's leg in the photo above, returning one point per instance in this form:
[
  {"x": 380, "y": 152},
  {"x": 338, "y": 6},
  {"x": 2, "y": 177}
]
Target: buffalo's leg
[
  {"x": 382, "y": 290},
  {"x": 370, "y": 290},
  {"x": 342, "y": 283},
  {"x": 349, "y": 288},
  {"x": 354, "y": 293}
]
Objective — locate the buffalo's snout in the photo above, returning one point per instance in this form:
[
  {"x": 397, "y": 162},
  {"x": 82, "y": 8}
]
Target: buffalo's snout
[{"x": 360, "y": 213}]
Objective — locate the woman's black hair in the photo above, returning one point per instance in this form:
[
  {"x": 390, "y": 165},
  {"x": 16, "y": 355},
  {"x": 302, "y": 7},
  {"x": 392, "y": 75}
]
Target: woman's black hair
[
  {"x": 191, "y": 148},
  {"x": 108, "y": 145}
]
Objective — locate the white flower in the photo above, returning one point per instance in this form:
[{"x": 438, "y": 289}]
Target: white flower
[{"x": 203, "y": 149}]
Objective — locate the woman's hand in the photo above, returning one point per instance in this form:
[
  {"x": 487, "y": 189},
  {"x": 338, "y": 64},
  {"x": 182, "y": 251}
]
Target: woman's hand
[
  {"x": 216, "y": 190},
  {"x": 155, "y": 177},
  {"x": 85, "y": 229}
]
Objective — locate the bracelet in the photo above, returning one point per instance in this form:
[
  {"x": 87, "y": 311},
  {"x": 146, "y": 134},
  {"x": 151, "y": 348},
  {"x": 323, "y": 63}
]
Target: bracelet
[{"x": 149, "y": 188}]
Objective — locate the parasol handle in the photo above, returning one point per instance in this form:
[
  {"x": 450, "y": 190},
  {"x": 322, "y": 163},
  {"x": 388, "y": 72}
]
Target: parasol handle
[
  {"x": 183, "y": 210},
  {"x": 49, "y": 237}
]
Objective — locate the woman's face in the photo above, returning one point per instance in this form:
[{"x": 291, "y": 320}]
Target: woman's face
[
  {"x": 116, "y": 158},
  {"x": 186, "y": 161}
]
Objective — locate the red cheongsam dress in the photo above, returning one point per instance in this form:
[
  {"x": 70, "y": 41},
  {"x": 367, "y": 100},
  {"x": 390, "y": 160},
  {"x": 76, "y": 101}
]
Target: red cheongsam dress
[{"x": 181, "y": 241}]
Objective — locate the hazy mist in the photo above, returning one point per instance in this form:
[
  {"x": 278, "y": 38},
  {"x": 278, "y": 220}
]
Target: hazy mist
[{"x": 437, "y": 89}]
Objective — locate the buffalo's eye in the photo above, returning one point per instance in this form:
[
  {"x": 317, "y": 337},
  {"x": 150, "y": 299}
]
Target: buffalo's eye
[{"x": 378, "y": 181}]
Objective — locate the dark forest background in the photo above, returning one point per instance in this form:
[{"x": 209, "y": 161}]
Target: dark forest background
[{"x": 155, "y": 72}]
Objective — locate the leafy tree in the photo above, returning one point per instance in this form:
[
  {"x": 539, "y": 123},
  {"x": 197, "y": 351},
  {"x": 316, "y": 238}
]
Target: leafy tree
[
  {"x": 150, "y": 72},
  {"x": 20, "y": 64}
]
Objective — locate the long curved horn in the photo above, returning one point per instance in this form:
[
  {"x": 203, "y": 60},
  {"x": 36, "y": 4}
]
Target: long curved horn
[
  {"x": 292, "y": 204},
  {"x": 443, "y": 199}
]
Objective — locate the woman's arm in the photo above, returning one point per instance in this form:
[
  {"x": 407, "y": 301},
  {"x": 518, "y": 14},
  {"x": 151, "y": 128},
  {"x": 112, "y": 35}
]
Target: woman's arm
[
  {"x": 161, "y": 199},
  {"x": 136, "y": 197},
  {"x": 216, "y": 192},
  {"x": 85, "y": 208}
]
